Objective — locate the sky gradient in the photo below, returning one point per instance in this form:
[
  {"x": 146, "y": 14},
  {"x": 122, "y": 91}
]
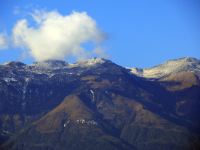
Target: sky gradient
[{"x": 140, "y": 33}]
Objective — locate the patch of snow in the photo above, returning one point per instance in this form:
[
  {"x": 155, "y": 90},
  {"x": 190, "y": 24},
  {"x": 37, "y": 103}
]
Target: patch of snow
[
  {"x": 93, "y": 97},
  {"x": 92, "y": 122},
  {"x": 4, "y": 132},
  {"x": 65, "y": 124},
  {"x": 10, "y": 79},
  {"x": 6, "y": 63},
  {"x": 88, "y": 63},
  {"x": 82, "y": 121},
  {"x": 51, "y": 75},
  {"x": 171, "y": 66},
  {"x": 88, "y": 122},
  {"x": 24, "y": 89},
  {"x": 94, "y": 61}
]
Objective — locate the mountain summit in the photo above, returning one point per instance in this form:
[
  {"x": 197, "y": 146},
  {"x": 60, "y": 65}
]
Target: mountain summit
[
  {"x": 51, "y": 64},
  {"x": 97, "y": 104},
  {"x": 171, "y": 66}
]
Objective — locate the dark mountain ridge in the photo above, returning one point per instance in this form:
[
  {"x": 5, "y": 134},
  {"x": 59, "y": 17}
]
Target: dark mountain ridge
[{"x": 97, "y": 104}]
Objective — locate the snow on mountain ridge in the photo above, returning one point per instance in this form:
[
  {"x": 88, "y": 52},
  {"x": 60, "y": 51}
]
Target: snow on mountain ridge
[
  {"x": 56, "y": 64},
  {"x": 50, "y": 67},
  {"x": 89, "y": 62},
  {"x": 53, "y": 67},
  {"x": 171, "y": 66}
]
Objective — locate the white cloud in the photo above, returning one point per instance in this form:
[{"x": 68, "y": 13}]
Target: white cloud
[
  {"x": 3, "y": 41},
  {"x": 54, "y": 36}
]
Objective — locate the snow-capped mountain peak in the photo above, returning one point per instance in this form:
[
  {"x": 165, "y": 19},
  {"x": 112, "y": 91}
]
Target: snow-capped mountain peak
[
  {"x": 171, "y": 66},
  {"x": 89, "y": 63}
]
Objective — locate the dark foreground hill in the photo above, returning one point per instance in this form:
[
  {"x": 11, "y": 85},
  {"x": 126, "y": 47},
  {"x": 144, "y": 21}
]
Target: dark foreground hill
[{"x": 98, "y": 105}]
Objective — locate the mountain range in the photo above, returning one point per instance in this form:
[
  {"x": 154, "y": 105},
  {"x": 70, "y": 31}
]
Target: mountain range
[{"x": 97, "y": 104}]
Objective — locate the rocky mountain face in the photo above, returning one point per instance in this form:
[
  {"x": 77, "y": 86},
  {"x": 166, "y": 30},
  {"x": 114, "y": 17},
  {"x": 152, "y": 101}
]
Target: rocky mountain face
[{"x": 97, "y": 104}]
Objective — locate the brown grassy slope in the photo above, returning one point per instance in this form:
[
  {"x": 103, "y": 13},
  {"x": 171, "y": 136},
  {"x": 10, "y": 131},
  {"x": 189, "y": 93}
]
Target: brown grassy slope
[
  {"x": 181, "y": 80},
  {"x": 71, "y": 109}
]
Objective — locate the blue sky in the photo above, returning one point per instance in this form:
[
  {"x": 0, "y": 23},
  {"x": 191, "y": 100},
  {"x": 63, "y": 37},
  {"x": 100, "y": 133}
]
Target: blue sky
[{"x": 140, "y": 33}]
